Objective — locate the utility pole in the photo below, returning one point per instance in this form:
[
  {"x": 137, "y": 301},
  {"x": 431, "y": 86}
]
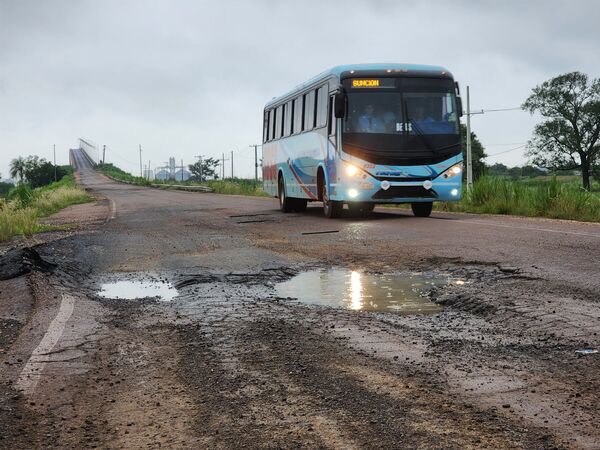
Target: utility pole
[
  {"x": 255, "y": 160},
  {"x": 469, "y": 156},
  {"x": 232, "y": 166},
  {"x": 223, "y": 166},
  {"x": 149, "y": 169},
  {"x": 54, "y": 146},
  {"x": 182, "y": 170},
  {"x": 104, "y": 154},
  {"x": 141, "y": 173}
]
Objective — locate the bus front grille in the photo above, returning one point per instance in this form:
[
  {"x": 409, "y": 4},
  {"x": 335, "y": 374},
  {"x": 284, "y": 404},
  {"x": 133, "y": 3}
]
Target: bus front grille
[{"x": 405, "y": 192}]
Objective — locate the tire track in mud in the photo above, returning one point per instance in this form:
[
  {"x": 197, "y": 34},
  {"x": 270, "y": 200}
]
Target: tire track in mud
[{"x": 370, "y": 398}]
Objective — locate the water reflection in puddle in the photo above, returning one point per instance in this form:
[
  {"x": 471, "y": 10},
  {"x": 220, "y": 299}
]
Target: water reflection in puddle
[
  {"x": 131, "y": 290},
  {"x": 396, "y": 293}
]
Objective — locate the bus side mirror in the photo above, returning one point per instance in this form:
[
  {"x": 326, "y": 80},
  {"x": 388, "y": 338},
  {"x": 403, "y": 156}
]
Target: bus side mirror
[
  {"x": 340, "y": 105},
  {"x": 459, "y": 106}
]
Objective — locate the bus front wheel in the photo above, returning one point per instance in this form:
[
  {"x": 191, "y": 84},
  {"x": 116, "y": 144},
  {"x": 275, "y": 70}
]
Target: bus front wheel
[
  {"x": 422, "y": 209},
  {"x": 331, "y": 208}
]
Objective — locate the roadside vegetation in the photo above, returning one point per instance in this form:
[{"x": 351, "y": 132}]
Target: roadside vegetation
[
  {"x": 547, "y": 196},
  {"x": 22, "y": 206},
  {"x": 236, "y": 186},
  {"x": 113, "y": 171}
]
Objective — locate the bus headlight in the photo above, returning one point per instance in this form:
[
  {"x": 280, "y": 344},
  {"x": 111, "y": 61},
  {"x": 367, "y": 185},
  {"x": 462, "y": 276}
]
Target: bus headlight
[
  {"x": 453, "y": 171},
  {"x": 351, "y": 170},
  {"x": 352, "y": 193}
]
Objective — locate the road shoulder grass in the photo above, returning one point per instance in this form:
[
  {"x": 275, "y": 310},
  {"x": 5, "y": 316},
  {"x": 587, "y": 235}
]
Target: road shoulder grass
[{"x": 20, "y": 214}]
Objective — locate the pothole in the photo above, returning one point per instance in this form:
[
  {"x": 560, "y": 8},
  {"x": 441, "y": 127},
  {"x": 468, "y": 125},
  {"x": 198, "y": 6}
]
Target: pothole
[
  {"x": 134, "y": 290},
  {"x": 358, "y": 291}
]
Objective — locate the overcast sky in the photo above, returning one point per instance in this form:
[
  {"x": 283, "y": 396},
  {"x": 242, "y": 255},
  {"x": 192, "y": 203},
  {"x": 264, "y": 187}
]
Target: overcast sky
[{"x": 189, "y": 77}]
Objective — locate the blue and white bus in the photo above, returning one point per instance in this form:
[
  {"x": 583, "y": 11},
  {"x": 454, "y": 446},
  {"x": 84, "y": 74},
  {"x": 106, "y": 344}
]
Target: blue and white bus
[{"x": 363, "y": 135}]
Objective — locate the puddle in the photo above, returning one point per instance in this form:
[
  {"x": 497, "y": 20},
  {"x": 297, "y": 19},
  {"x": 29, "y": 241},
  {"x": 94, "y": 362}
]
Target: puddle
[
  {"x": 131, "y": 290},
  {"x": 394, "y": 293}
]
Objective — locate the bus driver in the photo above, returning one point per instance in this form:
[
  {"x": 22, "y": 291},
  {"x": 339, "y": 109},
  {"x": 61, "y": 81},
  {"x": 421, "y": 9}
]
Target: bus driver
[{"x": 368, "y": 122}]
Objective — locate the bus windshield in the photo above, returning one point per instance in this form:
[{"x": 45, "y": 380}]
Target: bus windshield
[
  {"x": 418, "y": 111},
  {"x": 401, "y": 120}
]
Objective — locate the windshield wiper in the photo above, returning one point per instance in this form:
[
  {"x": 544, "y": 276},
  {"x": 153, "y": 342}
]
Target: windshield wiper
[
  {"x": 422, "y": 136},
  {"x": 420, "y": 133}
]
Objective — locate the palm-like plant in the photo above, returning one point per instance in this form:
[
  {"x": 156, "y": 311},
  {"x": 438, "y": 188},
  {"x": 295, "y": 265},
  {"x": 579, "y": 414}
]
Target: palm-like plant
[{"x": 17, "y": 167}]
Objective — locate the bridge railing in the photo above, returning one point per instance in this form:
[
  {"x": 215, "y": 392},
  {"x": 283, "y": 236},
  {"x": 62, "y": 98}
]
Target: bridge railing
[{"x": 90, "y": 149}]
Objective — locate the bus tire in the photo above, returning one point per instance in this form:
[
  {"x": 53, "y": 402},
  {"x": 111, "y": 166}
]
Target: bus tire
[
  {"x": 331, "y": 208},
  {"x": 361, "y": 209},
  {"x": 285, "y": 203},
  {"x": 422, "y": 209},
  {"x": 299, "y": 204}
]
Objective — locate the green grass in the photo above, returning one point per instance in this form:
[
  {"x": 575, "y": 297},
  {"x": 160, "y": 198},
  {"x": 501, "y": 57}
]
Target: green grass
[
  {"x": 537, "y": 197},
  {"x": 238, "y": 187},
  {"x": 114, "y": 172},
  {"x": 20, "y": 212}
]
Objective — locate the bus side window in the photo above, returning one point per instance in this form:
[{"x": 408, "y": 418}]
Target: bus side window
[
  {"x": 309, "y": 110},
  {"x": 332, "y": 121},
  {"x": 273, "y": 113},
  {"x": 266, "y": 127},
  {"x": 292, "y": 110},
  {"x": 288, "y": 119},
  {"x": 299, "y": 127},
  {"x": 278, "y": 117},
  {"x": 283, "y": 119},
  {"x": 321, "y": 107}
]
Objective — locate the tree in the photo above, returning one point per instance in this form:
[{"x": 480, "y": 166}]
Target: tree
[
  {"x": 477, "y": 152},
  {"x": 568, "y": 138},
  {"x": 40, "y": 172},
  {"x": 205, "y": 169},
  {"x": 497, "y": 169},
  {"x": 36, "y": 171},
  {"x": 531, "y": 171},
  {"x": 17, "y": 167}
]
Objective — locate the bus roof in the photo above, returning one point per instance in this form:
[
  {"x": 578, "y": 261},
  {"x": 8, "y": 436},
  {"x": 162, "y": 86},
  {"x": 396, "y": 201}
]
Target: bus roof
[{"x": 338, "y": 70}]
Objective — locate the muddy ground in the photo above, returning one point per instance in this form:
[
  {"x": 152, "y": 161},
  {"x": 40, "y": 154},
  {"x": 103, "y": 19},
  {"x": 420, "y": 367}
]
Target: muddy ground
[{"x": 228, "y": 363}]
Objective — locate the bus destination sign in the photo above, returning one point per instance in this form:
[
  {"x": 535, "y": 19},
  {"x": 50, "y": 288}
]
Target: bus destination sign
[{"x": 373, "y": 83}]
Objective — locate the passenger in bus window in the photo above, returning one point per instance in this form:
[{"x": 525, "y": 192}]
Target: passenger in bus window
[
  {"x": 421, "y": 115},
  {"x": 392, "y": 120},
  {"x": 369, "y": 122}
]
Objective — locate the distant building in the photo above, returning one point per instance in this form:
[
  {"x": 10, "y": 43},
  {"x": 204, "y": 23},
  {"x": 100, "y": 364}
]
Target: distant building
[
  {"x": 162, "y": 175},
  {"x": 172, "y": 167},
  {"x": 179, "y": 177}
]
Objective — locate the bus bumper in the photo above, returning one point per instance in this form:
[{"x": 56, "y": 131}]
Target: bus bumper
[{"x": 389, "y": 191}]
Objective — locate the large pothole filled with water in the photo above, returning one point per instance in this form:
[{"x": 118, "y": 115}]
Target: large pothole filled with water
[{"x": 358, "y": 291}]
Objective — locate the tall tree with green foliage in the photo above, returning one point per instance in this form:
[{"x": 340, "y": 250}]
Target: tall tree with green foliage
[
  {"x": 568, "y": 138},
  {"x": 40, "y": 172},
  {"x": 477, "y": 152},
  {"x": 204, "y": 170},
  {"x": 18, "y": 167}
]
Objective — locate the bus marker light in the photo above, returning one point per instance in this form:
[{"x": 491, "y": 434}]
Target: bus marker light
[
  {"x": 385, "y": 185},
  {"x": 427, "y": 184}
]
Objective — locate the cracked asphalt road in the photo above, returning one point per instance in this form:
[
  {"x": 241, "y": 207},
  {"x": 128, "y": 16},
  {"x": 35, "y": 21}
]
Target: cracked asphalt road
[{"x": 229, "y": 364}]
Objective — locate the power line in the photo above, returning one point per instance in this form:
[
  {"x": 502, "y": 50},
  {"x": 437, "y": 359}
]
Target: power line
[
  {"x": 507, "y": 151},
  {"x": 483, "y": 111},
  {"x": 506, "y": 144}
]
